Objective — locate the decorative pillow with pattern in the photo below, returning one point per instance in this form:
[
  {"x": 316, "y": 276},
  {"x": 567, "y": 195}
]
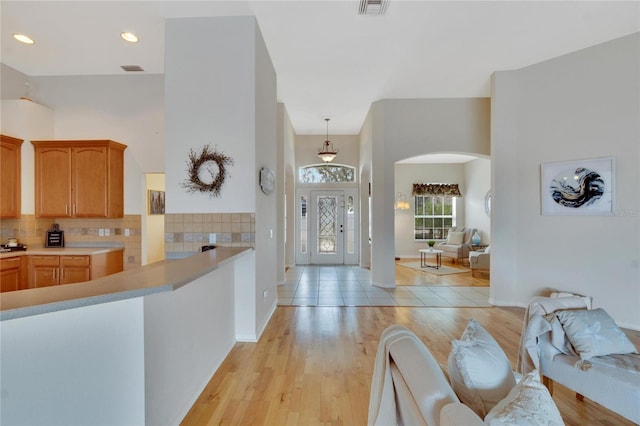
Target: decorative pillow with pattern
[{"x": 527, "y": 404}]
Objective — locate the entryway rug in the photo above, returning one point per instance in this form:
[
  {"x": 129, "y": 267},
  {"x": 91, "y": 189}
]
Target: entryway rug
[{"x": 443, "y": 270}]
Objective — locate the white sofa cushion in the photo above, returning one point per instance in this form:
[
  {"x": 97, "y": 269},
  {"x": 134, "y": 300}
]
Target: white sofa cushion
[
  {"x": 594, "y": 333},
  {"x": 527, "y": 404},
  {"x": 479, "y": 370}
]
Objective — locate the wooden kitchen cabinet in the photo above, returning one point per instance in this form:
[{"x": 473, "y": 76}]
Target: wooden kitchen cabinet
[
  {"x": 44, "y": 271},
  {"x": 10, "y": 166},
  {"x": 12, "y": 274},
  {"x": 48, "y": 270},
  {"x": 79, "y": 178}
]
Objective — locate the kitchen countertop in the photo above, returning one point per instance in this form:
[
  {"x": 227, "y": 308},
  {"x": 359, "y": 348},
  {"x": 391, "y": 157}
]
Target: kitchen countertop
[
  {"x": 60, "y": 251},
  {"x": 167, "y": 275}
]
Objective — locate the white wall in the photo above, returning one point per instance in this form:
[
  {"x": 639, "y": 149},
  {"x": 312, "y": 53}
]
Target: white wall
[
  {"x": 127, "y": 109},
  {"x": 477, "y": 182},
  {"x": 579, "y": 106},
  {"x": 210, "y": 99},
  {"x": 365, "y": 163},
  {"x": 306, "y": 149},
  {"x": 408, "y": 174},
  {"x": 80, "y": 366},
  {"x": 266, "y": 149},
  {"x": 404, "y": 128},
  {"x": 188, "y": 333},
  {"x": 287, "y": 136},
  {"x": 29, "y": 121},
  {"x": 225, "y": 98},
  {"x": 15, "y": 85}
]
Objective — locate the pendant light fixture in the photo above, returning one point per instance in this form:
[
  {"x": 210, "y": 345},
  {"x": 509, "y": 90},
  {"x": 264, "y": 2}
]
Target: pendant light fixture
[{"x": 327, "y": 153}]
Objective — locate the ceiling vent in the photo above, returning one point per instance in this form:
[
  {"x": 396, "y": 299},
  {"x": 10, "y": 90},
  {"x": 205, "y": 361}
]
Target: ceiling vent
[
  {"x": 131, "y": 68},
  {"x": 372, "y": 7}
]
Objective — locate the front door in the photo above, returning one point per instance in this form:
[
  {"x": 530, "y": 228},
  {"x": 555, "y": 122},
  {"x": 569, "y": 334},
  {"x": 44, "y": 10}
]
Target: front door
[{"x": 326, "y": 236}]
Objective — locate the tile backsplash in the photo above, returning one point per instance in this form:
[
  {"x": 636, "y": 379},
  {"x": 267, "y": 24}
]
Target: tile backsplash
[
  {"x": 187, "y": 232},
  {"x": 124, "y": 231},
  {"x": 183, "y": 233}
]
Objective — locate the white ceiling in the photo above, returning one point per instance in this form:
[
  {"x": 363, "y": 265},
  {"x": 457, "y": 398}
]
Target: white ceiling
[{"x": 330, "y": 61}]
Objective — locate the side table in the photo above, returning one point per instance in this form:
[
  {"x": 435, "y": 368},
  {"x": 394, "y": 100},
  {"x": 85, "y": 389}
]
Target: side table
[{"x": 430, "y": 253}]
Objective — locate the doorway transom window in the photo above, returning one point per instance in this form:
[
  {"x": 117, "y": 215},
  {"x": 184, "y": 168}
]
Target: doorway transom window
[{"x": 326, "y": 173}]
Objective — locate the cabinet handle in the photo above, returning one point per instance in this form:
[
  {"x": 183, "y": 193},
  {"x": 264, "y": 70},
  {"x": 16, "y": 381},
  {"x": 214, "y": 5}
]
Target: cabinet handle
[
  {"x": 66, "y": 209},
  {"x": 62, "y": 270},
  {"x": 55, "y": 274},
  {"x": 74, "y": 210}
]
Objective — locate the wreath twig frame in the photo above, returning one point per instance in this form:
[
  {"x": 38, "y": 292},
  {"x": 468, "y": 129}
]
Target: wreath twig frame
[{"x": 196, "y": 161}]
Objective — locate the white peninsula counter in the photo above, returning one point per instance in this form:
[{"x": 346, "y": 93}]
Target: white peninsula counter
[{"x": 132, "y": 348}]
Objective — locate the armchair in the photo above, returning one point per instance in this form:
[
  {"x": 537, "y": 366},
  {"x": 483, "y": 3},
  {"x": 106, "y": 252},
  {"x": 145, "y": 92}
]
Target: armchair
[
  {"x": 458, "y": 243},
  {"x": 479, "y": 260}
]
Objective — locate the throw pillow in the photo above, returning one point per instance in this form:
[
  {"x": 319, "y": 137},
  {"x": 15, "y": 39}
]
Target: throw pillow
[
  {"x": 479, "y": 371},
  {"x": 455, "y": 238},
  {"x": 592, "y": 332},
  {"x": 527, "y": 404}
]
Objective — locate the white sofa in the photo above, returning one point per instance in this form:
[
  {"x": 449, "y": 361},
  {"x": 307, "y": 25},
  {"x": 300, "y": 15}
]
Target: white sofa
[
  {"x": 410, "y": 388},
  {"x": 612, "y": 381}
]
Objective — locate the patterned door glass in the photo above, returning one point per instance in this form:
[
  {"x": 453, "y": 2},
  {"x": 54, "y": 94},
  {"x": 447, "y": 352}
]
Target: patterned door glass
[
  {"x": 303, "y": 224},
  {"x": 327, "y": 224},
  {"x": 351, "y": 226}
]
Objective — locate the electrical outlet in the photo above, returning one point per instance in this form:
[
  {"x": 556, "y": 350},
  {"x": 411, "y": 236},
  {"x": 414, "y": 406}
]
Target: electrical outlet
[
  {"x": 265, "y": 294},
  {"x": 101, "y": 232},
  {"x": 107, "y": 232},
  {"x": 126, "y": 232},
  {"x": 212, "y": 238}
]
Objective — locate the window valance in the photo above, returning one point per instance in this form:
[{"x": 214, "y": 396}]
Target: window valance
[{"x": 450, "y": 189}]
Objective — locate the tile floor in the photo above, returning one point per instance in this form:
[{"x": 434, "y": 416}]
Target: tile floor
[{"x": 351, "y": 286}]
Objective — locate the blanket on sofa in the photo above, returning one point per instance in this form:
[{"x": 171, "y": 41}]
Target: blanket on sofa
[{"x": 535, "y": 325}]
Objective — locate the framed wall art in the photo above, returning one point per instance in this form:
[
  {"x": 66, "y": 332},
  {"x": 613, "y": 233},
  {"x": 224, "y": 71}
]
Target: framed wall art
[
  {"x": 156, "y": 202},
  {"x": 582, "y": 187}
]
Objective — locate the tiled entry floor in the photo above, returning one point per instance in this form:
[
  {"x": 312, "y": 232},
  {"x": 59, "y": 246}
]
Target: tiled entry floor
[{"x": 351, "y": 286}]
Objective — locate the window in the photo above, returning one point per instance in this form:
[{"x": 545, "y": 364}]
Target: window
[
  {"x": 434, "y": 215},
  {"x": 327, "y": 173}
]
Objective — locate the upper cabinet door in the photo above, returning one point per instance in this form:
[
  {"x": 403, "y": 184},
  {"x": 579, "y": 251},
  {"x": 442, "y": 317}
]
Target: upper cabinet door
[
  {"x": 10, "y": 177},
  {"x": 79, "y": 178},
  {"x": 53, "y": 181},
  {"x": 90, "y": 175}
]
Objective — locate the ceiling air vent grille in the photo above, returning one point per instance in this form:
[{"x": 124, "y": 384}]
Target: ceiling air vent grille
[
  {"x": 372, "y": 7},
  {"x": 131, "y": 68}
]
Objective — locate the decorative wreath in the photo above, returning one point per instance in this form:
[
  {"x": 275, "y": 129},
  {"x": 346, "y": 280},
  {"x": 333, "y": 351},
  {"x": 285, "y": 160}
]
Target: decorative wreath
[{"x": 193, "y": 183}]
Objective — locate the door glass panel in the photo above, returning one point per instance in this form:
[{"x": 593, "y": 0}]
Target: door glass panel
[
  {"x": 351, "y": 229},
  {"x": 303, "y": 225},
  {"x": 327, "y": 224}
]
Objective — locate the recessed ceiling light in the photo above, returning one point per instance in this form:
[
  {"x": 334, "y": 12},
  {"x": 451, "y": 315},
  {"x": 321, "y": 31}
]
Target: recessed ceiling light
[
  {"x": 23, "y": 38},
  {"x": 130, "y": 37}
]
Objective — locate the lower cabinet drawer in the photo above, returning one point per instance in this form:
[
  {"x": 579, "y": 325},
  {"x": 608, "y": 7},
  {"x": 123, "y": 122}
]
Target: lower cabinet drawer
[{"x": 75, "y": 260}]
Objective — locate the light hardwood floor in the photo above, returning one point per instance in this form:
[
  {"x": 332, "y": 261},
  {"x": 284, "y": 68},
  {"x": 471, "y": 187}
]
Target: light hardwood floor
[{"x": 313, "y": 365}]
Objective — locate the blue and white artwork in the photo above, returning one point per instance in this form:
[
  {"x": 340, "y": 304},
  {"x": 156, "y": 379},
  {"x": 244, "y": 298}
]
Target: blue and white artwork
[{"x": 578, "y": 187}]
